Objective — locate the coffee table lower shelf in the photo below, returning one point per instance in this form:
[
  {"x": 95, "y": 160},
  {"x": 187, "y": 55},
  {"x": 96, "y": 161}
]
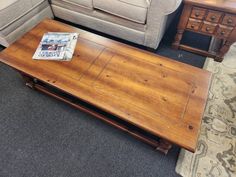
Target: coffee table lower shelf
[{"x": 158, "y": 143}]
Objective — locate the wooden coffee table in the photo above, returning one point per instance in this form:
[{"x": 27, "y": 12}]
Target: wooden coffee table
[{"x": 155, "y": 99}]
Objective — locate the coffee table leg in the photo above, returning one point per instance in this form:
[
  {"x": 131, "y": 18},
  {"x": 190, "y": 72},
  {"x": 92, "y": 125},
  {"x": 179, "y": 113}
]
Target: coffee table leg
[{"x": 164, "y": 146}]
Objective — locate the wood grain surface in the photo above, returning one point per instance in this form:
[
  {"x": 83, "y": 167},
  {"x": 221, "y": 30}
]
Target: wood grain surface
[{"x": 161, "y": 96}]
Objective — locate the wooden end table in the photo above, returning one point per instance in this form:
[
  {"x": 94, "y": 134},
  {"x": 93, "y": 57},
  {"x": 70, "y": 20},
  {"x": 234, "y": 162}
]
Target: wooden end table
[
  {"x": 215, "y": 18},
  {"x": 153, "y": 98}
]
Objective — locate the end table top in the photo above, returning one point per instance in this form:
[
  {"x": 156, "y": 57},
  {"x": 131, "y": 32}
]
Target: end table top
[
  {"x": 161, "y": 96},
  {"x": 225, "y": 5}
]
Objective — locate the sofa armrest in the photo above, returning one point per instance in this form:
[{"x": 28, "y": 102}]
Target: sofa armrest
[
  {"x": 157, "y": 20},
  {"x": 165, "y": 7},
  {"x": 168, "y": 6}
]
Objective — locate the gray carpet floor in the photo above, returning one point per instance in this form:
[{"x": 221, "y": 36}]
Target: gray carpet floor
[{"x": 43, "y": 137}]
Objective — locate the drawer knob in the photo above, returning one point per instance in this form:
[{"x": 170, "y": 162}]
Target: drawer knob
[
  {"x": 208, "y": 29},
  {"x": 197, "y": 14},
  {"x": 213, "y": 17},
  {"x": 230, "y": 21}
]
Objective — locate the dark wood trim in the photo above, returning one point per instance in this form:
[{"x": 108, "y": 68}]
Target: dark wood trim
[{"x": 197, "y": 51}]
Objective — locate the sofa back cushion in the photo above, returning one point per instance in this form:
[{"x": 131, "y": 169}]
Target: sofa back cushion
[
  {"x": 83, "y": 3},
  {"x": 134, "y": 10}
]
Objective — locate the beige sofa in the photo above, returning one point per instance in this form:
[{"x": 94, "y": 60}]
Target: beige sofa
[
  {"x": 19, "y": 16},
  {"x": 140, "y": 21}
]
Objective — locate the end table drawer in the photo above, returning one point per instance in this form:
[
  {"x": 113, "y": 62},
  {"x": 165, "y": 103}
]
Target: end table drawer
[
  {"x": 229, "y": 20},
  {"x": 224, "y": 31},
  {"x": 194, "y": 24},
  {"x": 208, "y": 28},
  {"x": 198, "y": 13},
  {"x": 213, "y": 16}
]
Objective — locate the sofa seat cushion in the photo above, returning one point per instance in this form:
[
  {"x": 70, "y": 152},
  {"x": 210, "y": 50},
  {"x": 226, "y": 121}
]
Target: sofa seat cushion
[
  {"x": 134, "y": 10},
  {"x": 12, "y": 9},
  {"x": 83, "y": 3},
  {"x": 5, "y": 4}
]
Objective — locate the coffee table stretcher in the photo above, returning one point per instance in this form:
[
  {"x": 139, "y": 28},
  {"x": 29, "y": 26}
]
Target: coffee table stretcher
[{"x": 159, "y": 144}]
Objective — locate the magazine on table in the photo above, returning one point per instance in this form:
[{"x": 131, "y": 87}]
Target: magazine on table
[{"x": 56, "y": 46}]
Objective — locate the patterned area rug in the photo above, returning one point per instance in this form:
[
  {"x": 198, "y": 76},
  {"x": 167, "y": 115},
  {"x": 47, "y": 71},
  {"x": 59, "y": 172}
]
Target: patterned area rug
[{"x": 216, "y": 151}]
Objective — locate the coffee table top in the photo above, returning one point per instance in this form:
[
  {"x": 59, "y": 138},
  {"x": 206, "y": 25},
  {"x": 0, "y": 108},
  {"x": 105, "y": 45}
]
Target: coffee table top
[{"x": 162, "y": 96}]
